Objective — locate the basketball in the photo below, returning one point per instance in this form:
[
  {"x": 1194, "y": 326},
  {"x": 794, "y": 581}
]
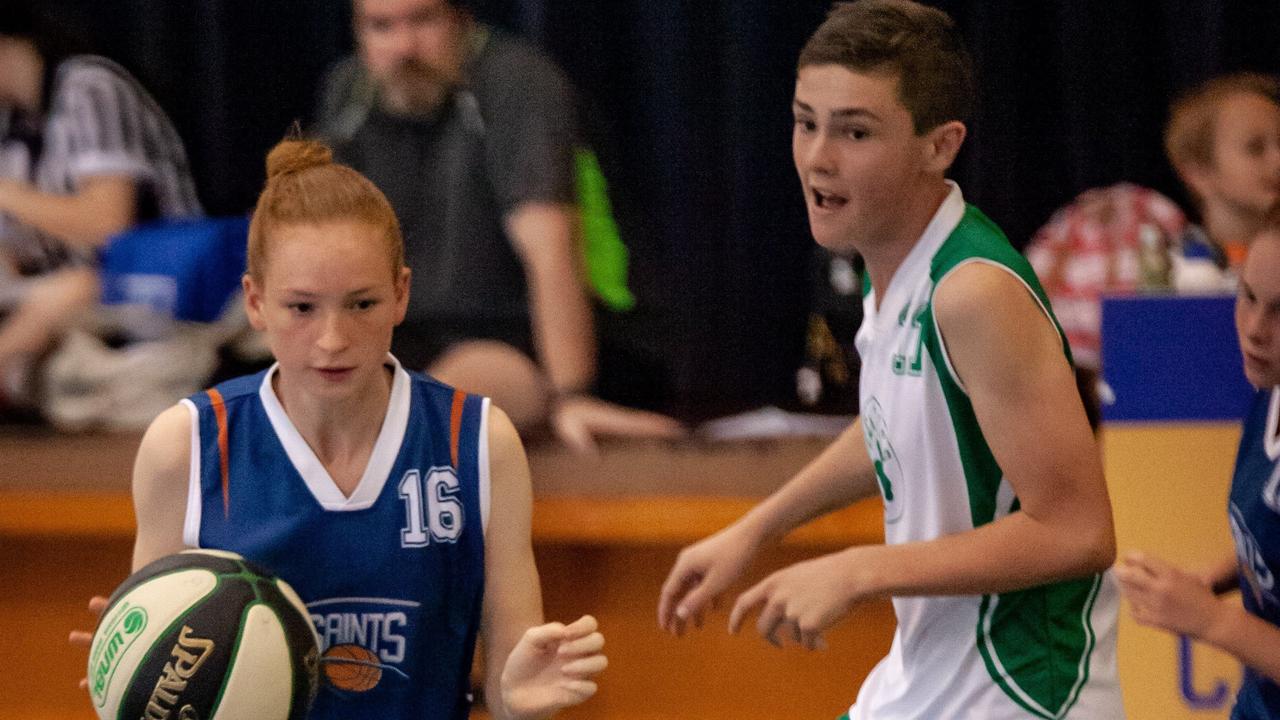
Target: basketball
[{"x": 203, "y": 634}]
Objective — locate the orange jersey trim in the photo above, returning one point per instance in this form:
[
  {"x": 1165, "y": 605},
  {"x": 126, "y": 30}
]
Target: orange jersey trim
[
  {"x": 455, "y": 425},
  {"x": 224, "y": 455}
]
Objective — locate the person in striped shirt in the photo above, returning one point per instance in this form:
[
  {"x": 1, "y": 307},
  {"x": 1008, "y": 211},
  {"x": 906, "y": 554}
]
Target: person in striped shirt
[{"x": 86, "y": 153}]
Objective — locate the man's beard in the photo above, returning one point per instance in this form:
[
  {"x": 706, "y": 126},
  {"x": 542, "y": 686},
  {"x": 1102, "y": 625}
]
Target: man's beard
[{"x": 414, "y": 88}]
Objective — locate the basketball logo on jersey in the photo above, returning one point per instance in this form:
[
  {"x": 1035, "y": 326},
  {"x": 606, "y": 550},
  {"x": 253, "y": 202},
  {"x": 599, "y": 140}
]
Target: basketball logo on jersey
[
  {"x": 875, "y": 432},
  {"x": 361, "y": 639},
  {"x": 1253, "y": 566},
  {"x": 433, "y": 507}
]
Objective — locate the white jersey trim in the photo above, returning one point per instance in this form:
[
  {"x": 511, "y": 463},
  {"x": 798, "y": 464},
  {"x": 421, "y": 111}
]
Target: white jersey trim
[
  {"x": 1271, "y": 441},
  {"x": 937, "y": 326},
  {"x": 191, "y": 523},
  {"x": 313, "y": 472},
  {"x": 483, "y": 466},
  {"x": 944, "y": 221}
]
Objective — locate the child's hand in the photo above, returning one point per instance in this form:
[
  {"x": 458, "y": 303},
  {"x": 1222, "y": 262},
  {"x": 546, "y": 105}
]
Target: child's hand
[{"x": 551, "y": 668}]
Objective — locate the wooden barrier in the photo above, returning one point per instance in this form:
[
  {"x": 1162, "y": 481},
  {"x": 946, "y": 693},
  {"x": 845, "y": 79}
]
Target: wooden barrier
[{"x": 606, "y": 531}]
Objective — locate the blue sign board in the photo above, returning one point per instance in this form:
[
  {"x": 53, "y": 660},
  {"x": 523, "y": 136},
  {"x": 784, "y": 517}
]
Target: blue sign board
[{"x": 1171, "y": 358}]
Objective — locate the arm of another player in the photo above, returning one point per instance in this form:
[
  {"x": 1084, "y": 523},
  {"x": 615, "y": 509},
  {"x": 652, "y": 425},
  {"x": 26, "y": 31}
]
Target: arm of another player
[
  {"x": 533, "y": 669},
  {"x": 563, "y": 330},
  {"x": 1165, "y": 597},
  {"x": 841, "y": 475},
  {"x": 1010, "y": 358},
  {"x": 1222, "y": 576}
]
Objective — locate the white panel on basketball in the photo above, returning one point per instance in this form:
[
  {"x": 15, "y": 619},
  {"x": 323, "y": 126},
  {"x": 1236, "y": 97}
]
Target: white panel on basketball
[
  {"x": 260, "y": 668},
  {"x": 163, "y": 598},
  {"x": 216, "y": 553},
  {"x": 287, "y": 590}
]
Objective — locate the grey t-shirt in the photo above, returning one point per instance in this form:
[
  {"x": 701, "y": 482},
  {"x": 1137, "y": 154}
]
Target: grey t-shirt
[{"x": 505, "y": 139}]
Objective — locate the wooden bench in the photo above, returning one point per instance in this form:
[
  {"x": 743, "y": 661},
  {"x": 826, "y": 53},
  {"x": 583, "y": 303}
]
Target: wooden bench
[{"x": 606, "y": 531}]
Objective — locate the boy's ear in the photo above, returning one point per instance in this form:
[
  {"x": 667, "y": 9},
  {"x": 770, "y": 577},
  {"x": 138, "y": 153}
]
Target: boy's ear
[
  {"x": 253, "y": 302},
  {"x": 943, "y": 144}
]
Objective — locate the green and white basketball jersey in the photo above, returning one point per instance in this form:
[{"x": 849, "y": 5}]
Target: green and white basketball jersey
[{"x": 1044, "y": 652}]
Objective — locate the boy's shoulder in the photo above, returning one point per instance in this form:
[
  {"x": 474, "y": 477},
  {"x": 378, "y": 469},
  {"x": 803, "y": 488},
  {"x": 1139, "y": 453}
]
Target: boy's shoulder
[{"x": 978, "y": 237}]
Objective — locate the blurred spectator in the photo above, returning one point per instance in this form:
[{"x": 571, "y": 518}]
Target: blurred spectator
[
  {"x": 1094, "y": 246},
  {"x": 85, "y": 154},
  {"x": 1223, "y": 139},
  {"x": 470, "y": 132}
]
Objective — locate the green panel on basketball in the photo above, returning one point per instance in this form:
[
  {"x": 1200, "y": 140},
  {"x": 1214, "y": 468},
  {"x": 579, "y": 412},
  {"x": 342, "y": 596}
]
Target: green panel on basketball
[{"x": 203, "y": 634}]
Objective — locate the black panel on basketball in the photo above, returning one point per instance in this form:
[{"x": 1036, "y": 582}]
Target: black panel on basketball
[
  {"x": 302, "y": 643},
  {"x": 188, "y": 663}
]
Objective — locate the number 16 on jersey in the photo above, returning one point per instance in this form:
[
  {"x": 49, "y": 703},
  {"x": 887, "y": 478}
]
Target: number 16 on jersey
[{"x": 433, "y": 507}]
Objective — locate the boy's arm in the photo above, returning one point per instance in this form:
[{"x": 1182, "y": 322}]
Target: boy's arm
[
  {"x": 841, "y": 475},
  {"x": 1010, "y": 359},
  {"x": 160, "y": 479},
  {"x": 532, "y": 670}
]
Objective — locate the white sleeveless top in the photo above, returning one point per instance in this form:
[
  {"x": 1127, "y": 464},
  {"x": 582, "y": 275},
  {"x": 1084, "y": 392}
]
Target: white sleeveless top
[{"x": 1044, "y": 652}]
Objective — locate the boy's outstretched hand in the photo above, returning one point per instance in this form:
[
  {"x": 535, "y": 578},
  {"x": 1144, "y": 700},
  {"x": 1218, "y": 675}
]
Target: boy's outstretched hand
[{"x": 551, "y": 668}]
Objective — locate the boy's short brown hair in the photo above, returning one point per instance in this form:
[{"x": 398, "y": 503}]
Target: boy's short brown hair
[{"x": 918, "y": 43}]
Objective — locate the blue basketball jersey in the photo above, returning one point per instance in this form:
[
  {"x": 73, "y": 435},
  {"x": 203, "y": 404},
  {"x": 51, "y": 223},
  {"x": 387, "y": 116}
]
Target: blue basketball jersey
[
  {"x": 393, "y": 575},
  {"x": 1254, "y": 514}
]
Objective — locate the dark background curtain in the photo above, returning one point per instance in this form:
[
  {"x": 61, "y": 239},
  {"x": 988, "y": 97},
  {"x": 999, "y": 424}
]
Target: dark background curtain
[{"x": 690, "y": 104}]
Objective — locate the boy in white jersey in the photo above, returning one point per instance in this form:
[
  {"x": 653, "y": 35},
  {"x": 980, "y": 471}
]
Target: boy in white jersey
[{"x": 997, "y": 520}]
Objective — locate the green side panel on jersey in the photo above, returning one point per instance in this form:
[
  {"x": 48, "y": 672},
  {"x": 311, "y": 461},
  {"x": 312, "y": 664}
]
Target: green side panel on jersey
[
  {"x": 982, "y": 474},
  {"x": 1039, "y": 643},
  {"x": 978, "y": 237},
  {"x": 1036, "y": 642},
  {"x": 606, "y": 255}
]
